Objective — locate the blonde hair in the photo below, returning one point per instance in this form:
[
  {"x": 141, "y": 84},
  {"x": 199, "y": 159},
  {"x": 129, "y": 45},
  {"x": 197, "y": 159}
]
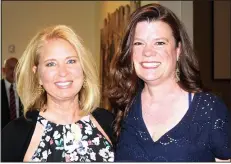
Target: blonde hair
[{"x": 27, "y": 81}]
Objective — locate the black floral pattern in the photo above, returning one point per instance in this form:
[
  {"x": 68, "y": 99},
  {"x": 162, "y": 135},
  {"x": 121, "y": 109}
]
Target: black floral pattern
[{"x": 80, "y": 141}]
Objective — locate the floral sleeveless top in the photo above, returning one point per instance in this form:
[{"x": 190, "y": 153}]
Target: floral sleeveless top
[{"x": 80, "y": 141}]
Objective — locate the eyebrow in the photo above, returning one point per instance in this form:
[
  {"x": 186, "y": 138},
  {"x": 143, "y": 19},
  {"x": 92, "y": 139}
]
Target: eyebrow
[
  {"x": 53, "y": 59},
  {"x": 49, "y": 60},
  {"x": 72, "y": 57},
  {"x": 156, "y": 39}
]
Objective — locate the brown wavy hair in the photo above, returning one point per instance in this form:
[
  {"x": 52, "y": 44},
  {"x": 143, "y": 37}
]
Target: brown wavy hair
[{"x": 123, "y": 81}]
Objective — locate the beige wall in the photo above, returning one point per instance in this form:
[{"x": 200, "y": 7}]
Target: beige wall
[{"x": 21, "y": 20}]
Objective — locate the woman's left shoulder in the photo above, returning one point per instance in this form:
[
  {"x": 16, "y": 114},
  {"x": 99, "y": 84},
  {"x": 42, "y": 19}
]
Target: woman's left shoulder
[
  {"x": 213, "y": 102},
  {"x": 209, "y": 98},
  {"x": 207, "y": 95}
]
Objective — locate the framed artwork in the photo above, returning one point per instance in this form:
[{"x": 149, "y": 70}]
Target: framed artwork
[
  {"x": 221, "y": 40},
  {"x": 110, "y": 37}
]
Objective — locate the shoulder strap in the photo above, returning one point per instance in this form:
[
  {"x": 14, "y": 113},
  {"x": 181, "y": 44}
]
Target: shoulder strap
[{"x": 105, "y": 118}]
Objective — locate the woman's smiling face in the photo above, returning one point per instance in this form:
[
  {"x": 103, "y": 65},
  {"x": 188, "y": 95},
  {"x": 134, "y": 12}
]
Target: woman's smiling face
[
  {"x": 59, "y": 70},
  {"x": 155, "y": 52}
]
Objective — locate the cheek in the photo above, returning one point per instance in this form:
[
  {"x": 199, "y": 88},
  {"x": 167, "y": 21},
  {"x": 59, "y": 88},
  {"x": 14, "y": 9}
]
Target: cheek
[
  {"x": 137, "y": 56},
  {"x": 77, "y": 71},
  {"x": 137, "y": 51},
  {"x": 173, "y": 56},
  {"x": 163, "y": 52},
  {"x": 170, "y": 58},
  {"x": 46, "y": 76},
  {"x": 136, "y": 60},
  {"x": 167, "y": 55}
]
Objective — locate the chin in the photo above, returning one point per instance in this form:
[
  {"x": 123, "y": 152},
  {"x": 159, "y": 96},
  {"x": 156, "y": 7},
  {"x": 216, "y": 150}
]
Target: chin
[
  {"x": 150, "y": 78},
  {"x": 65, "y": 96}
]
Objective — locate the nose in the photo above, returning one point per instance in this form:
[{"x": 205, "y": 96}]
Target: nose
[
  {"x": 63, "y": 70},
  {"x": 148, "y": 51}
]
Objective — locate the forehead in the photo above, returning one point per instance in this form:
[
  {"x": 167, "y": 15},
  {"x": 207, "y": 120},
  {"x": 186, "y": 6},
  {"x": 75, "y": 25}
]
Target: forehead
[
  {"x": 58, "y": 47},
  {"x": 156, "y": 28}
]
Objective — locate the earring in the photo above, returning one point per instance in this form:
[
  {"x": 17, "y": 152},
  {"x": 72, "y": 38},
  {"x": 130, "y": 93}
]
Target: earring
[
  {"x": 177, "y": 73},
  {"x": 84, "y": 83},
  {"x": 40, "y": 90}
]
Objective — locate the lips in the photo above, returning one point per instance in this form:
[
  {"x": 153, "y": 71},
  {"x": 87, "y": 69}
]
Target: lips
[
  {"x": 150, "y": 64},
  {"x": 63, "y": 84}
]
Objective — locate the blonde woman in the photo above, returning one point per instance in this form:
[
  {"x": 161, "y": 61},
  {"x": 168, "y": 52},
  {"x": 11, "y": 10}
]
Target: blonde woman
[{"x": 58, "y": 84}]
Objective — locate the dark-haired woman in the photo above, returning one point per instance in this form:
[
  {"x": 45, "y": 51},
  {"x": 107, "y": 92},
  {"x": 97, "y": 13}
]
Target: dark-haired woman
[{"x": 162, "y": 111}]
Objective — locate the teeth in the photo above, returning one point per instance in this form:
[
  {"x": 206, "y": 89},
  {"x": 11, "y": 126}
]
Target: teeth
[
  {"x": 63, "y": 84},
  {"x": 151, "y": 64}
]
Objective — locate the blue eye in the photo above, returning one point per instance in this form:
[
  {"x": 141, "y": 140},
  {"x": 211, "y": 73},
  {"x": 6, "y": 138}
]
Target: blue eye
[
  {"x": 71, "y": 61},
  {"x": 50, "y": 64}
]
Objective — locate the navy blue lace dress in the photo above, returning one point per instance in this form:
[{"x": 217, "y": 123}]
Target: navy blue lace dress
[{"x": 201, "y": 135}]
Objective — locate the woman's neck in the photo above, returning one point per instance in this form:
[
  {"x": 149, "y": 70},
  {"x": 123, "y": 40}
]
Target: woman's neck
[
  {"x": 158, "y": 93},
  {"x": 62, "y": 112}
]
